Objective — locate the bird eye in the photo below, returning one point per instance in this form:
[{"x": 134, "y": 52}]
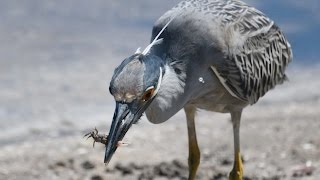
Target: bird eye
[{"x": 148, "y": 94}]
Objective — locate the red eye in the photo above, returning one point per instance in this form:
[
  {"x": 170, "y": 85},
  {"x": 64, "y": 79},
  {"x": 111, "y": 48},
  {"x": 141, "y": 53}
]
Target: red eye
[{"x": 148, "y": 94}]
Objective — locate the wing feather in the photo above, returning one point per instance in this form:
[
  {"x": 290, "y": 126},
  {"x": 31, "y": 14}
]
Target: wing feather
[
  {"x": 256, "y": 53},
  {"x": 261, "y": 64}
]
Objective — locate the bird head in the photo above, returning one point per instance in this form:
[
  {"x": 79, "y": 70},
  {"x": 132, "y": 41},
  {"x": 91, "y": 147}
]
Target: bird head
[{"x": 134, "y": 85}]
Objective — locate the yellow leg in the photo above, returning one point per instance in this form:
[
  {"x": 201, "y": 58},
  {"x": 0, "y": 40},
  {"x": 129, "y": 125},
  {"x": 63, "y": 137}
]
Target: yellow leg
[
  {"x": 237, "y": 171},
  {"x": 194, "y": 153}
]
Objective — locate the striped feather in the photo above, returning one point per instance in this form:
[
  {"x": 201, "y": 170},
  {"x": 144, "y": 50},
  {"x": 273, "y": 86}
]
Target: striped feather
[{"x": 256, "y": 53}]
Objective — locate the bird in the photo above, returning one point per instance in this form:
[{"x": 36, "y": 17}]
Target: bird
[{"x": 216, "y": 55}]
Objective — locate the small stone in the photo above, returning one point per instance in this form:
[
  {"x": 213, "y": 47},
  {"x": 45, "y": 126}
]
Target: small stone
[
  {"x": 88, "y": 165},
  {"x": 147, "y": 174},
  {"x": 219, "y": 176},
  {"x": 60, "y": 164},
  {"x": 179, "y": 164},
  {"x": 96, "y": 177},
  {"x": 136, "y": 166},
  {"x": 308, "y": 146},
  {"x": 303, "y": 170},
  {"x": 108, "y": 170},
  {"x": 125, "y": 170},
  {"x": 226, "y": 161}
]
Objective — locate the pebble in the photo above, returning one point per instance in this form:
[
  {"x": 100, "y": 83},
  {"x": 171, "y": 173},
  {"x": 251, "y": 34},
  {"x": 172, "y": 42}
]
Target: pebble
[
  {"x": 96, "y": 177},
  {"x": 87, "y": 165},
  {"x": 125, "y": 170}
]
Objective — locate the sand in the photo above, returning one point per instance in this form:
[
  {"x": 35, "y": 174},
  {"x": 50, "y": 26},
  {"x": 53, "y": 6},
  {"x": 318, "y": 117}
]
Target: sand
[{"x": 279, "y": 139}]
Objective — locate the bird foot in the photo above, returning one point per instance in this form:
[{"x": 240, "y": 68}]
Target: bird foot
[
  {"x": 237, "y": 171},
  {"x": 235, "y": 175},
  {"x": 101, "y": 138}
]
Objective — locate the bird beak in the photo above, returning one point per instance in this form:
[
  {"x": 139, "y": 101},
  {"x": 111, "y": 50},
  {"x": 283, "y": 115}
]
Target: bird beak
[{"x": 124, "y": 116}]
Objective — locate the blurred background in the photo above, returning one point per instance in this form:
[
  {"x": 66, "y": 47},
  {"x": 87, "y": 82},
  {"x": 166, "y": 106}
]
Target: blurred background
[{"x": 56, "y": 61}]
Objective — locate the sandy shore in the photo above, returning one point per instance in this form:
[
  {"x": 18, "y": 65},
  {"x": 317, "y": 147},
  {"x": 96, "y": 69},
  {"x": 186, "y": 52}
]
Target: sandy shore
[
  {"x": 280, "y": 140},
  {"x": 49, "y": 107}
]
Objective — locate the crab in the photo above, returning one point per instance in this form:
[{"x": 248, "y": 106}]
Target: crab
[{"x": 101, "y": 138}]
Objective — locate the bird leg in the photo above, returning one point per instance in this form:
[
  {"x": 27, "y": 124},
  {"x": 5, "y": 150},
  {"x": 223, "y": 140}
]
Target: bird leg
[
  {"x": 237, "y": 171},
  {"x": 194, "y": 153}
]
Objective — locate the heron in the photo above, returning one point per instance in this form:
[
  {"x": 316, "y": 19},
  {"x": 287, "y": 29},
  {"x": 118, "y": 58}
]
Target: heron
[{"x": 216, "y": 55}]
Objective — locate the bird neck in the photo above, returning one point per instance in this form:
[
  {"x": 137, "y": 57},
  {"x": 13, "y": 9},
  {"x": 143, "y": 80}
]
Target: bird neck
[{"x": 169, "y": 99}]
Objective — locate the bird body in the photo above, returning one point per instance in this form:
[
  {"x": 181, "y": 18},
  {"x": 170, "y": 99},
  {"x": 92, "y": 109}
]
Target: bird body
[
  {"x": 227, "y": 43},
  {"x": 217, "y": 55}
]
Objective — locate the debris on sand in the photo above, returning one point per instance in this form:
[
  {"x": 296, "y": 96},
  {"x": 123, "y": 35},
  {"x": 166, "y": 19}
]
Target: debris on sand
[{"x": 303, "y": 170}]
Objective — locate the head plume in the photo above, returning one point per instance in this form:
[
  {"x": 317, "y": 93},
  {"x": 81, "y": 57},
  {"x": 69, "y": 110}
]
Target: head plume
[{"x": 155, "y": 41}]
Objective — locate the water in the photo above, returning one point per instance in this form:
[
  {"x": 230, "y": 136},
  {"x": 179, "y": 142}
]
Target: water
[{"x": 56, "y": 59}]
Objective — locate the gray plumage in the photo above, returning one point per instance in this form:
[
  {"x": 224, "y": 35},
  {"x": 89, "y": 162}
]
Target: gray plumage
[
  {"x": 217, "y": 55},
  {"x": 254, "y": 52}
]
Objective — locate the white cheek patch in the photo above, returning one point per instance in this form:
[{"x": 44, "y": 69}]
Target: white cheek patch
[{"x": 171, "y": 87}]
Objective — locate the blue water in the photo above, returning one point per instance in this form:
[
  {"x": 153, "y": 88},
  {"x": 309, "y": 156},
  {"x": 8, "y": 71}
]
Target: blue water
[
  {"x": 304, "y": 19},
  {"x": 102, "y": 22}
]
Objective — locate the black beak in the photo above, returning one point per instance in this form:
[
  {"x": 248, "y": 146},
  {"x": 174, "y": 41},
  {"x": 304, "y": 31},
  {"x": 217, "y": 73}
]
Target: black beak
[{"x": 124, "y": 116}]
